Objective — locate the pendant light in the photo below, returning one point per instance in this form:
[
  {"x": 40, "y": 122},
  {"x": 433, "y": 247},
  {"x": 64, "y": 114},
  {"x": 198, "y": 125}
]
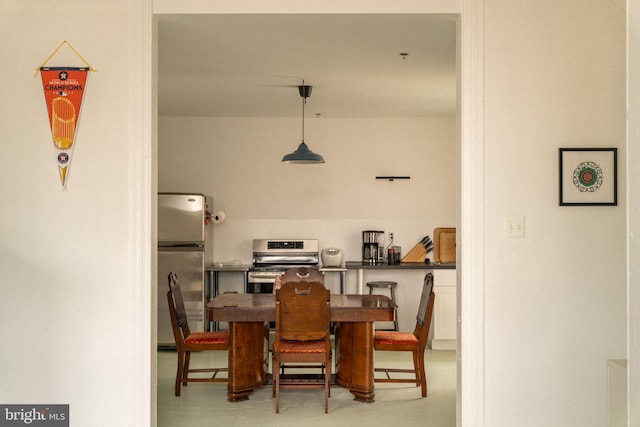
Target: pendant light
[{"x": 303, "y": 155}]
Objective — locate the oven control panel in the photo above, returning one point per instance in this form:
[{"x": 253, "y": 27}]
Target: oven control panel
[{"x": 284, "y": 245}]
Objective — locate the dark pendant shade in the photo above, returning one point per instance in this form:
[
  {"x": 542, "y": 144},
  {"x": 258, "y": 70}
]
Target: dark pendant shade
[{"x": 303, "y": 155}]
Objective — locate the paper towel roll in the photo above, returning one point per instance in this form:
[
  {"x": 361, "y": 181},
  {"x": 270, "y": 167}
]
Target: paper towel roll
[{"x": 218, "y": 217}]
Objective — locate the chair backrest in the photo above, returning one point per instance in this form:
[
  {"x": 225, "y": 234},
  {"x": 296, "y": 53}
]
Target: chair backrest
[
  {"x": 176, "y": 309},
  {"x": 423, "y": 308},
  {"x": 302, "y": 311},
  {"x": 303, "y": 274}
]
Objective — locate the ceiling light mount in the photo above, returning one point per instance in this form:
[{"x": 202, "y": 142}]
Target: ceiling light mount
[{"x": 303, "y": 155}]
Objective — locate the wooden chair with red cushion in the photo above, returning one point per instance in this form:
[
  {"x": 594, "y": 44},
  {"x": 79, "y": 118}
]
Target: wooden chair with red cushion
[
  {"x": 415, "y": 342},
  {"x": 187, "y": 341},
  {"x": 302, "y": 336}
]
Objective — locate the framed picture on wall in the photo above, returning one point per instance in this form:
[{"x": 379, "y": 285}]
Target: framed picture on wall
[{"x": 588, "y": 176}]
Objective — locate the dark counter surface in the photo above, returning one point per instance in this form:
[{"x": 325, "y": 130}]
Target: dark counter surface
[{"x": 359, "y": 265}]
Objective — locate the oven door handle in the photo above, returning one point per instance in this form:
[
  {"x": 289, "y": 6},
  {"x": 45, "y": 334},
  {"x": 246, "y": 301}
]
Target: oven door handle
[{"x": 264, "y": 275}]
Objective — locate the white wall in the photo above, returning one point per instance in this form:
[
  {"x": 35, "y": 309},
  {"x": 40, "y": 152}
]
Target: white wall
[
  {"x": 237, "y": 161},
  {"x": 554, "y": 301},
  {"x": 70, "y": 305}
]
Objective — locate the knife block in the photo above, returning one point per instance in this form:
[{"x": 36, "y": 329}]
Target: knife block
[{"x": 416, "y": 254}]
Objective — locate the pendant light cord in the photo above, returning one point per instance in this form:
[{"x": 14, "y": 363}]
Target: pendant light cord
[{"x": 304, "y": 101}]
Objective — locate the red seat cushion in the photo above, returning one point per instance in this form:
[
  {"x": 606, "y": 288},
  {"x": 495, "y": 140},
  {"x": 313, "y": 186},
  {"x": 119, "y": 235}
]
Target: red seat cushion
[
  {"x": 395, "y": 338},
  {"x": 302, "y": 346},
  {"x": 207, "y": 338}
]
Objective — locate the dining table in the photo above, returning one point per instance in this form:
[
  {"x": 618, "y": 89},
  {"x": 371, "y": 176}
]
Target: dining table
[{"x": 248, "y": 316}]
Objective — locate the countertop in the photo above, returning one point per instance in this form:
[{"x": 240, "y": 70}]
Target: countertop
[{"x": 359, "y": 265}]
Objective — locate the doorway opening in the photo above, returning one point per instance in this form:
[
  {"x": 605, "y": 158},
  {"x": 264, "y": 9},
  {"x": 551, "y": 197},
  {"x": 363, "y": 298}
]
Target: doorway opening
[{"x": 239, "y": 105}]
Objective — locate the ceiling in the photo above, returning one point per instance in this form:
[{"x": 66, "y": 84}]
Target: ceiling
[{"x": 250, "y": 65}]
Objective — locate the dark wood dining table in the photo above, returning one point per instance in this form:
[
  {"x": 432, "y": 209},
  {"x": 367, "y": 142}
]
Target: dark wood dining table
[{"x": 248, "y": 316}]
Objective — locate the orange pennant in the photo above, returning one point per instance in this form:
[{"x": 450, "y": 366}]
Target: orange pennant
[{"x": 63, "y": 90}]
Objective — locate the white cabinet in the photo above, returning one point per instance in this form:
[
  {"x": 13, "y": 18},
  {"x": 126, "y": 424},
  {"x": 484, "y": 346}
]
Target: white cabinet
[{"x": 444, "y": 324}]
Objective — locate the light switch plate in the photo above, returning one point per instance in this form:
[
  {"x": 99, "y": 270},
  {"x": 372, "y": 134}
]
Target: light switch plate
[{"x": 514, "y": 227}]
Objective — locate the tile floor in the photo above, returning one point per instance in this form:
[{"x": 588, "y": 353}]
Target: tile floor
[{"x": 205, "y": 404}]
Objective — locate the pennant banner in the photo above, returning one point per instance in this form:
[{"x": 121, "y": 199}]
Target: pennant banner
[{"x": 63, "y": 89}]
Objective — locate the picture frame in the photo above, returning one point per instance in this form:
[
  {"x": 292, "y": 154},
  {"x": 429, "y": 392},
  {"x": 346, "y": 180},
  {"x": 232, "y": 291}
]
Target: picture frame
[{"x": 588, "y": 176}]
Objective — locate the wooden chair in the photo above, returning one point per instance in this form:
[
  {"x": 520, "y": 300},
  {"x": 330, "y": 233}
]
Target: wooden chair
[
  {"x": 302, "y": 336},
  {"x": 187, "y": 341},
  {"x": 415, "y": 342}
]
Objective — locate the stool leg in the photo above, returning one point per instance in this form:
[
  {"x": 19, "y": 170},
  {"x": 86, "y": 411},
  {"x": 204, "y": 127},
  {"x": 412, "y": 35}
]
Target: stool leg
[
  {"x": 392, "y": 294},
  {"x": 395, "y": 310}
]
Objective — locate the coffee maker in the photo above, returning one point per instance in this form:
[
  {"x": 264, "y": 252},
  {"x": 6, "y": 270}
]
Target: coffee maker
[{"x": 372, "y": 246}]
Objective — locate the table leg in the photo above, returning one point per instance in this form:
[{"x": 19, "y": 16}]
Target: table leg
[
  {"x": 355, "y": 359},
  {"x": 247, "y": 359}
]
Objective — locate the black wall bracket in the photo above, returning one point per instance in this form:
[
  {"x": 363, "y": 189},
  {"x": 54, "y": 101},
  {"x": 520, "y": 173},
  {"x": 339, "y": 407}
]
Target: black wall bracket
[{"x": 393, "y": 178}]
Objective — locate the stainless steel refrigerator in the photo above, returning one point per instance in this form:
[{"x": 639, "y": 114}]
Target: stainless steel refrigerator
[{"x": 181, "y": 249}]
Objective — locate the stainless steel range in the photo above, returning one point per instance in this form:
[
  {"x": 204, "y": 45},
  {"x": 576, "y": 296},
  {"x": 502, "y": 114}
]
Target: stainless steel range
[{"x": 272, "y": 257}]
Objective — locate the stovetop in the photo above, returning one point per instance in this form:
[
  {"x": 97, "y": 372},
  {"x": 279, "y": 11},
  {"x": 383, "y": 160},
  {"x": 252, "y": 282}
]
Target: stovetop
[
  {"x": 279, "y": 267},
  {"x": 281, "y": 254}
]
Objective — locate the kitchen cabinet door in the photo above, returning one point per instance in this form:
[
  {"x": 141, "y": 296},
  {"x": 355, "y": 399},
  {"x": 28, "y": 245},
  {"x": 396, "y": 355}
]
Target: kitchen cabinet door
[{"x": 444, "y": 321}]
